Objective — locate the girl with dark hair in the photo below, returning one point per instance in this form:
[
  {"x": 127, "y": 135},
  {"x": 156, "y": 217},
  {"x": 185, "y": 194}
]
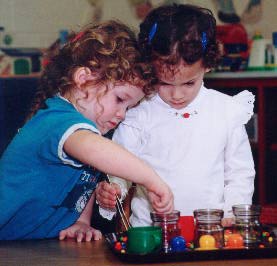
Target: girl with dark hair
[{"x": 192, "y": 136}]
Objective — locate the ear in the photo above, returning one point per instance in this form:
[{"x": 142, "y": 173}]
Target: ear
[
  {"x": 81, "y": 76},
  {"x": 207, "y": 70}
]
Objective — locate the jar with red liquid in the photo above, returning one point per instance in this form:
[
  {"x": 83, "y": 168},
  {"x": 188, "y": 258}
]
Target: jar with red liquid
[{"x": 169, "y": 224}]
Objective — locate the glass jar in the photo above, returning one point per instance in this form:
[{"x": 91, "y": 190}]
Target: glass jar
[
  {"x": 169, "y": 224},
  {"x": 247, "y": 223},
  {"x": 209, "y": 232}
]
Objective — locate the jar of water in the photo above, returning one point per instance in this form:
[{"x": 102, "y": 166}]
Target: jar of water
[
  {"x": 247, "y": 223},
  {"x": 209, "y": 232}
]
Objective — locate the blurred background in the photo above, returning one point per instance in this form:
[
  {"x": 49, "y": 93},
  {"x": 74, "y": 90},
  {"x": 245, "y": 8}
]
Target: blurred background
[{"x": 37, "y": 23}]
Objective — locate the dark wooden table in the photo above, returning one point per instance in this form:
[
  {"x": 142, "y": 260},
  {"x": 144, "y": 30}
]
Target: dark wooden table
[{"x": 70, "y": 253}]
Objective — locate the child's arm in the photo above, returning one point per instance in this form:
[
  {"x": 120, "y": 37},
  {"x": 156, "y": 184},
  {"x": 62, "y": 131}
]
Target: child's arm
[
  {"x": 113, "y": 159},
  {"x": 129, "y": 135},
  {"x": 81, "y": 230},
  {"x": 239, "y": 171}
]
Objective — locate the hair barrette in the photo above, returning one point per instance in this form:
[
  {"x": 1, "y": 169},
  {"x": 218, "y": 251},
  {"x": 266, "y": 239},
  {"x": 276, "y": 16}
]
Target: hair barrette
[
  {"x": 152, "y": 32},
  {"x": 204, "y": 41},
  {"x": 78, "y": 36}
]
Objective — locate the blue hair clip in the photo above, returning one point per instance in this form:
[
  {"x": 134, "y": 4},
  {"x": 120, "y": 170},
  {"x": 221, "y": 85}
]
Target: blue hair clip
[
  {"x": 204, "y": 41},
  {"x": 152, "y": 32}
]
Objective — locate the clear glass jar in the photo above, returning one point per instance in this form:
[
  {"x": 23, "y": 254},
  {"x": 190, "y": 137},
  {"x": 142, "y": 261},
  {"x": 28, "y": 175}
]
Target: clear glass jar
[
  {"x": 209, "y": 232},
  {"x": 169, "y": 224},
  {"x": 247, "y": 223}
]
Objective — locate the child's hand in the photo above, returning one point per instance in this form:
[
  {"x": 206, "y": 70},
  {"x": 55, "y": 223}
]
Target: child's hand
[
  {"x": 106, "y": 194},
  {"x": 162, "y": 200},
  {"x": 227, "y": 222},
  {"x": 81, "y": 231}
]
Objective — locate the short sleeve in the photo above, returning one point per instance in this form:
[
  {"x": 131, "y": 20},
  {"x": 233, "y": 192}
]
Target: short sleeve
[
  {"x": 61, "y": 153},
  {"x": 240, "y": 108},
  {"x": 51, "y": 148}
]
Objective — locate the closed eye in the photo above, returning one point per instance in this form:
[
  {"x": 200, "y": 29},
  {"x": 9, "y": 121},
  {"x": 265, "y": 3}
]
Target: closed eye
[
  {"x": 119, "y": 100},
  {"x": 165, "y": 84},
  {"x": 191, "y": 83}
]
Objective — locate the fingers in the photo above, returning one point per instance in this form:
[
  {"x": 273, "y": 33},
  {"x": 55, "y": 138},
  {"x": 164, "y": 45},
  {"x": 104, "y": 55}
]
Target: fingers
[
  {"x": 162, "y": 203},
  {"x": 227, "y": 222},
  {"x": 106, "y": 195},
  {"x": 81, "y": 232},
  {"x": 93, "y": 234},
  {"x": 164, "y": 208},
  {"x": 161, "y": 198},
  {"x": 62, "y": 235},
  {"x": 88, "y": 235},
  {"x": 66, "y": 234},
  {"x": 79, "y": 236},
  {"x": 97, "y": 235}
]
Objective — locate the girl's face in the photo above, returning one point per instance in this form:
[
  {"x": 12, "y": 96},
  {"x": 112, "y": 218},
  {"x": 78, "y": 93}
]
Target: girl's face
[
  {"x": 107, "y": 109},
  {"x": 179, "y": 84}
]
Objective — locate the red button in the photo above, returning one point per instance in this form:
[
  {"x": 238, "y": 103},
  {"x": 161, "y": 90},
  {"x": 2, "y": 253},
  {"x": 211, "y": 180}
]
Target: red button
[{"x": 186, "y": 115}]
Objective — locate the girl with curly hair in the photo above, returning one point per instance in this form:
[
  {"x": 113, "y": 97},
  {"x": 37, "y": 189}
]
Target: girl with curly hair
[{"x": 49, "y": 172}]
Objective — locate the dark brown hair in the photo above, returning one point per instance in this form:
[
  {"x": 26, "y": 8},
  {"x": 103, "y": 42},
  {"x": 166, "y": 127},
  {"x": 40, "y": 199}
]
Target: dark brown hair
[
  {"x": 179, "y": 35},
  {"x": 108, "y": 49}
]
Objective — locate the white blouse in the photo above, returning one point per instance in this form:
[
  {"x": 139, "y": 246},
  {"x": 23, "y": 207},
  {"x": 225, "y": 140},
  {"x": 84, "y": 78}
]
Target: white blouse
[{"x": 201, "y": 151}]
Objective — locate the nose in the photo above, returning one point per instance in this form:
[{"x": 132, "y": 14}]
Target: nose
[
  {"x": 120, "y": 114},
  {"x": 176, "y": 93}
]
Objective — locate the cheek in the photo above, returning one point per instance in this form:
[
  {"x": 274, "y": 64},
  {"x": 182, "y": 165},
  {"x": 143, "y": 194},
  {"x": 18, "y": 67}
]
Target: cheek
[
  {"x": 163, "y": 91},
  {"x": 105, "y": 104},
  {"x": 197, "y": 87},
  {"x": 191, "y": 92}
]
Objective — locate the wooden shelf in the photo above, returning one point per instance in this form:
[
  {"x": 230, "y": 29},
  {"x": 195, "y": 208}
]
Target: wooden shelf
[
  {"x": 242, "y": 75},
  {"x": 273, "y": 147},
  {"x": 32, "y": 75}
]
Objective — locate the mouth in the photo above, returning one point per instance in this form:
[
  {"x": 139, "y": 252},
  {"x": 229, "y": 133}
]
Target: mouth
[
  {"x": 112, "y": 124},
  {"x": 177, "y": 103}
]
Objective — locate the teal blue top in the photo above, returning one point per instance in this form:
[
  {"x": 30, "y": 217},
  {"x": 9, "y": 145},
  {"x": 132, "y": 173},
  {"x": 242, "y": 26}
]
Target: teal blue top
[{"x": 42, "y": 190}]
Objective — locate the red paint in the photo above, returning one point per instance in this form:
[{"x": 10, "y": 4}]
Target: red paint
[{"x": 186, "y": 224}]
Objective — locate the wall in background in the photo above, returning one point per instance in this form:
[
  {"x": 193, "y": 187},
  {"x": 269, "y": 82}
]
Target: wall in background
[{"x": 36, "y": 23}]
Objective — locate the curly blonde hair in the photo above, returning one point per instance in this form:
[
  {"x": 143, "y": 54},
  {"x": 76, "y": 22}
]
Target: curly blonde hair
[{"x": 108, "y": 49}]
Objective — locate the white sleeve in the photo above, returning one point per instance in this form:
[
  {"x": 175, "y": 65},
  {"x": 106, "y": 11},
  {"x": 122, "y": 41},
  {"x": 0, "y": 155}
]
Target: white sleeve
[
  {"x": 239, "y": 164},
  {"x": 239, "y": 171},
  {"x": 241, "y": 107},
  {"x": 128, "y": 136}
]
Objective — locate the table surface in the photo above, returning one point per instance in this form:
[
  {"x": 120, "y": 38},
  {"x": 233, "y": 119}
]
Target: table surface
[{"x": 70, "y": 253}]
